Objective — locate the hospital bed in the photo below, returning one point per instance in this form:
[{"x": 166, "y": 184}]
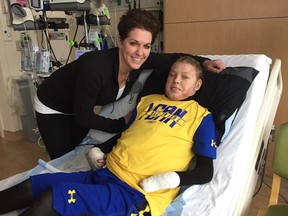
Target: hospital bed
[{"x": 239, "y": 157}]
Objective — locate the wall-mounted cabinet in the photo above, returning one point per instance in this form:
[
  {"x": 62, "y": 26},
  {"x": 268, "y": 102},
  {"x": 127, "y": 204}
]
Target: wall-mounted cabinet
[{"x": 196, "y": 11}]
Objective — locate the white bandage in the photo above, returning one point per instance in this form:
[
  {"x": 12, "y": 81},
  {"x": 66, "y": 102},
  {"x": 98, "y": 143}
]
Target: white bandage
[
  {"x": 93, "y": 155},
  {"x": 160, "y": 181}
]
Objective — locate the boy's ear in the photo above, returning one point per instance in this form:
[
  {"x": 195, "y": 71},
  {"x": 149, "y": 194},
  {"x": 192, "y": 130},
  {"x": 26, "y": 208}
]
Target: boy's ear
[{"x": 198, "y": 84}]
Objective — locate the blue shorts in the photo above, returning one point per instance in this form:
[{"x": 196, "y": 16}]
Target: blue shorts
[{"x": 90, "y": 193}]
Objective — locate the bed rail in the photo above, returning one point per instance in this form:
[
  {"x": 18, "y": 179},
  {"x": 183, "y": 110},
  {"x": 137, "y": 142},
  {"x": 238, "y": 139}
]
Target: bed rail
[{"x": 264, "y": 126}]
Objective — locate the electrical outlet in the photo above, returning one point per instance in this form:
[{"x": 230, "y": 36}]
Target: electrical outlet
[
  {"x": 19, "y": 46},
  {"x": 7, "y": 34},
  {"x": 150, "y": 3}
]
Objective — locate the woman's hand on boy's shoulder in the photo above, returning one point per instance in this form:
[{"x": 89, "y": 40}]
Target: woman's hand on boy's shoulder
[{"x": 215, "y": 66}]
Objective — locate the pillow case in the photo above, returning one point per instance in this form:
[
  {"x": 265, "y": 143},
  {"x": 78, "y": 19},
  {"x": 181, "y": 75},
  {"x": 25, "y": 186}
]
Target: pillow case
[{"x": 222, "y": 94}]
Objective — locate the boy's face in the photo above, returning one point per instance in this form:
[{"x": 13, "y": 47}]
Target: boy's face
[{"x": 182, "y": 81}]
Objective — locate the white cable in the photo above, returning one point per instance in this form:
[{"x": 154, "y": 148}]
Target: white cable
[
  {"x": 111, "y": 37},
  {"x": 48, "y": 166},
  {"x": 115, "y": 21}
]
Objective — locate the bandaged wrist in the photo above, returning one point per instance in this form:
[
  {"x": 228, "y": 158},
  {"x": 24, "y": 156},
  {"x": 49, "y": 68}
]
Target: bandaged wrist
[
  {"x": 160, "y": 181},
  {"x": 95, "y": 154}
]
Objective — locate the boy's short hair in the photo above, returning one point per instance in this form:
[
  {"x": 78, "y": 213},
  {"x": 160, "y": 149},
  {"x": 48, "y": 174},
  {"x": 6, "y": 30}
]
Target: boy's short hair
[{"x": 194, "y": 63}]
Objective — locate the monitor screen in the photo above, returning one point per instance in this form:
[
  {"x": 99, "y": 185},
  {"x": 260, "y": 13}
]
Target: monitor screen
[{"x": 36, "y": 4}]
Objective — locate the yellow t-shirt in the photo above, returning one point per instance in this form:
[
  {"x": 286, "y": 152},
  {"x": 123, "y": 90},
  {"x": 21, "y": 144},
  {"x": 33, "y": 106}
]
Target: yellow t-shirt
[{"x": 159, "y": 140}]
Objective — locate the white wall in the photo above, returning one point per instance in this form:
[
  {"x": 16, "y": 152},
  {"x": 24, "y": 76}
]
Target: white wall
[{"x": 9, "y": 66}]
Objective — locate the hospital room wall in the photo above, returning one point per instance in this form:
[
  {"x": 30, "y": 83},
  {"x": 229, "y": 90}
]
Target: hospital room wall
[
  {"x": 231, "y": 27},
  {"x": 9, "y": 67}
]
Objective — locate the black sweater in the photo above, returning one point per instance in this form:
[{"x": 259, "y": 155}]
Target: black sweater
[{"x": 92, "y": 80}]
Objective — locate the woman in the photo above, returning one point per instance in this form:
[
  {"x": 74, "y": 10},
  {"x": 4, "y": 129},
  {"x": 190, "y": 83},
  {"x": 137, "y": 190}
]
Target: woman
[{"x": 65, "y": 101}]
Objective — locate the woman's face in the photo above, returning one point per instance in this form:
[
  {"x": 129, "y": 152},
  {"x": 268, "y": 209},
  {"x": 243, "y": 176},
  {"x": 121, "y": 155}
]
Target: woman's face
[
  {"x": 182, "y": 81},
  {"x": 135, "y": 49}
]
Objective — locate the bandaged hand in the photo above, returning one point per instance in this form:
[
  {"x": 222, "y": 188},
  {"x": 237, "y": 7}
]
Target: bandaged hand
[
  {"x": 96, "y": 158},
  {"x": 160, "y": 181}
]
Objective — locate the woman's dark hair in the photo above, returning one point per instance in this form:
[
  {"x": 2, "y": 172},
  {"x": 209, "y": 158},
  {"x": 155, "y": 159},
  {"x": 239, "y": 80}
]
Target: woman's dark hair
[{"x": 138, "y": 18}]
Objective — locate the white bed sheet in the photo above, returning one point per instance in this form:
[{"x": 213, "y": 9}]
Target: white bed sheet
[{"x": 220, "y": 196}]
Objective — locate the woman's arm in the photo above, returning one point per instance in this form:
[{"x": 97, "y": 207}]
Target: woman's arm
[
  {"x": 96, "y": 84},
  {"x": 160, "y": 59},
  {"x": 108, "y": 145}
]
